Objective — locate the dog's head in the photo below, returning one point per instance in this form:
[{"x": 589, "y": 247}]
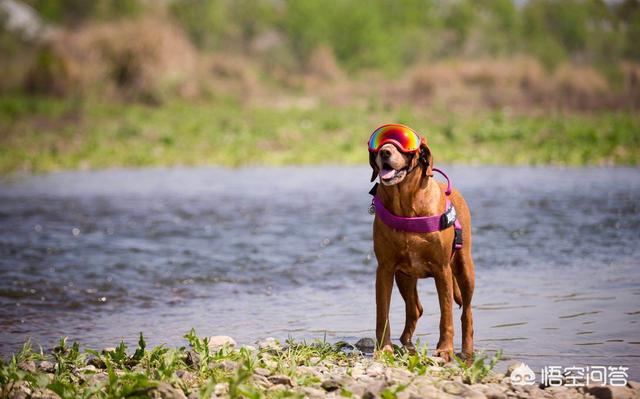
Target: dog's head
[{"x": 393, "y": 165}]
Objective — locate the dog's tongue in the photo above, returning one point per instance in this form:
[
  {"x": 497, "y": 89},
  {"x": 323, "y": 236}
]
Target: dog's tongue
[{"x": 387, "y": 174}]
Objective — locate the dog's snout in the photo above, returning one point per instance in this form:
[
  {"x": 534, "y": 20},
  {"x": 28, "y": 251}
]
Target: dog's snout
[{"x": 385, "y": 153}]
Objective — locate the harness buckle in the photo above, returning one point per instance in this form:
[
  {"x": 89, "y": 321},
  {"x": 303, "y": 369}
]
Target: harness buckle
[
  {"x": 457, "y": 241},
  {"x": 372, "y": 209},
  {"x": 448, "y": 218}
]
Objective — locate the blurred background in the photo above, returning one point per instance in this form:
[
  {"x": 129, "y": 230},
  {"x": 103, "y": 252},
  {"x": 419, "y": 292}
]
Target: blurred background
[{"x": 86, "y": 85}]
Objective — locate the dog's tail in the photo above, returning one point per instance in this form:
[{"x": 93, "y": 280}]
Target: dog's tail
[{"x": 457, "y": 296}]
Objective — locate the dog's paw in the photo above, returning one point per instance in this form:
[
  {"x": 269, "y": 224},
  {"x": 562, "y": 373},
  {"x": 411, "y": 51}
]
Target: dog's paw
[
  {"x": 445, "y": 354},
  {"x": 410, "y": 348},
  {"x": 384, "y": 351}
]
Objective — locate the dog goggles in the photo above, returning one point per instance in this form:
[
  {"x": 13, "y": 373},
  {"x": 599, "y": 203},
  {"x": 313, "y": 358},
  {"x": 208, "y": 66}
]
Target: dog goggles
[{"x": 403, "y": 137}]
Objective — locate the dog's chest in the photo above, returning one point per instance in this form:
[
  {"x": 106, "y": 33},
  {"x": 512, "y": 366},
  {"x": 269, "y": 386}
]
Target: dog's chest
[{"x": 411, "y": 253}]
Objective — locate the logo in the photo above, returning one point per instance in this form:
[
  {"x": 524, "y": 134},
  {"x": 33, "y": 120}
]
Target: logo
[{"x": 523, "y": 375}]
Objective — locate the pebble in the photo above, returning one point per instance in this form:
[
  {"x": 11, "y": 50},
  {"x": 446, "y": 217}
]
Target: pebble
[
  {"x": 44, "y": 393},
  {"x": 218, "y": 341},
  {"x": 375, "y": 369},
  {"x": 313, "y": 393},
  {"x": 280, "y": 380},
  {"x": 47, "y": 366},
  {"x": 610, "y": 392},
  {"x": 635, "y": 385},
  {"x": 96, "y": 362},
  {"x": 221, "y": 388},
  {"x": 268, "y": 343},
  {"x": 330, "y": 385},
  {"x": 164, "y": 390},
  {"x": 261, "y": 381},
  {"x": 366, "y": 345},
  {"x": 28, "y": 366},
  {"x": 262, "y": 371},
  {"x": 454, "y": 388},
  {"x": 192, "y": 359}
]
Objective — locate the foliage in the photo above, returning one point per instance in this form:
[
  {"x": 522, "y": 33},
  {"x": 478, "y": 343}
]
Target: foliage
[
  {"x": 390, "y": 34},
  {"x": 44, "y": 135},
  {"x": 477, "y": 370},
  {"x": 235, "y": 371}
]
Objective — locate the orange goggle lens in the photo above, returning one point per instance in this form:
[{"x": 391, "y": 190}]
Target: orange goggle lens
[{"x": 402, "y": 136}]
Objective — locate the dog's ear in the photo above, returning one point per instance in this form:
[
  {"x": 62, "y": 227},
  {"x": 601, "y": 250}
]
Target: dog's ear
[
  {"x": 374, "y": 166},
  {"x": 425, "y": 158}
]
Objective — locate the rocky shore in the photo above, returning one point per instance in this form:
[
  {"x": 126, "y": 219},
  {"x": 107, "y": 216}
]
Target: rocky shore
[{"x": 216, "y": 367}]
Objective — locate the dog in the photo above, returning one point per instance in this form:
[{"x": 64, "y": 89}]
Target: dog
[{"x": 409, "y": 190}]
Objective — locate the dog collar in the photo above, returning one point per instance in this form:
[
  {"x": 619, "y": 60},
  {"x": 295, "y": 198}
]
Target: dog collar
[{"x": 420, "y": 224}]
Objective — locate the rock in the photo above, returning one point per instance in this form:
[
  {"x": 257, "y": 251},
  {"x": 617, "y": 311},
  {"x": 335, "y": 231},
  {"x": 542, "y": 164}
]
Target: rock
[
  {"x": 454, "y": 388},
  {"x": 491, "y": 391},
  {"x": 218, "y": 341},
  {"x": 108, "y": 349},
  {"x": 44, "y": 393},
  {"x": 261, "y": 381},
  {"x": 47, "y": 366},
  {"x": 221, "y": 388},
  {"x": 356, "y": 388},
  {"x": 373, "y": 389},
  {"x": 312, "y": 393},
  {"x": 473, "y": 394},
  {"x": 280, "y": 380},
  {"x": 315, "y": 371},
  {"x": 226, "y": 365},
  {"x": 357, "y": 370},
  {"x": 18, "y": 395},
  {"x": 249, "y": 348},
  {"x": 192, "y": 359},
  {"x": 269, "y": 343},
  {"x": 437, "y": 360},
  {"x": 262, "y": 371},
  {"x": 186, "y": 376},
  {"x": 610, "y": 392},
  {"x": 165, "y": 390},
  {"x": 96, "y": 379},
  {"x": 28, "y": 365},
  {"x": 330, "y": 385},
  {"x": 20, "y": 390},
  {"x": 398, "y": 375},
  {"x": 375, "y": 369},
  {"x": 428, "y": 391},
  {"x": 366, "y": 345},
  {"x": 96, "y": 362}
]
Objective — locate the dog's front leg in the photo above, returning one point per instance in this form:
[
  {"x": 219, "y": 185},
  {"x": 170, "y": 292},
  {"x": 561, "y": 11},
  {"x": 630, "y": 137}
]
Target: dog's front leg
[
  {"x": 384, "y": 285},
  {"x": 444, "y": 286}
]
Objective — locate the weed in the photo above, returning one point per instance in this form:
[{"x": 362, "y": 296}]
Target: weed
[{"x": 478, "y": 369}]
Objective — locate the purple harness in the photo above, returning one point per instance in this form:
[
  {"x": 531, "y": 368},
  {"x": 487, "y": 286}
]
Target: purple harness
[{"x": 422, "y": 224}]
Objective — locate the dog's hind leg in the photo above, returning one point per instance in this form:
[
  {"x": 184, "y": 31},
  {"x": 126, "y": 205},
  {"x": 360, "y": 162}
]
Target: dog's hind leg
[
  {"x": 463, "y": 269},
  {"x": 408, "y": 287},
  {"x": 457, "y": 296}
]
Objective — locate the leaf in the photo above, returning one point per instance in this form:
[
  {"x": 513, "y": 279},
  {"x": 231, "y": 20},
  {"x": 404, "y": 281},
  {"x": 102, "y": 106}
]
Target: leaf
[{"x": 139, "y": 353}]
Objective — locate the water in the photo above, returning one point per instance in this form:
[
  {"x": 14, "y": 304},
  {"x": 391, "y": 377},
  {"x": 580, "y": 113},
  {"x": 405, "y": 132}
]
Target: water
[{"x": 100, "y": 256}]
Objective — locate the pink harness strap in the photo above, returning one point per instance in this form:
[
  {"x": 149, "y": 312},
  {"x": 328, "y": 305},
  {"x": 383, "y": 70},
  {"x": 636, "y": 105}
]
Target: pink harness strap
[{"x": 423, "y": 224}]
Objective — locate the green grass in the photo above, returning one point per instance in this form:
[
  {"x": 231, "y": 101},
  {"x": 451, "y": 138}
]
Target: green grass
[
  {"x": 44, "y": 134},
  {"x": 240, "y": 371}
]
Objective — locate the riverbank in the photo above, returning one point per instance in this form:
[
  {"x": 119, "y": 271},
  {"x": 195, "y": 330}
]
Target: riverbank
[
  {"x": 48, "y": 134},
  {"x": 216, "y": 367}
]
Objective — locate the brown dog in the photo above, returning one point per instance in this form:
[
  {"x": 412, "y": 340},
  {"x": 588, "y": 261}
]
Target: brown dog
[{"x": 409, "y": 190}]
